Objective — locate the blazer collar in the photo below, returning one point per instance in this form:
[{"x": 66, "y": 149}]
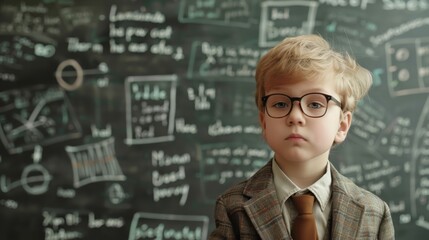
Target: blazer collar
[
  {"x": 265, "y": 213},
  {"x": 263, "y": 207}
]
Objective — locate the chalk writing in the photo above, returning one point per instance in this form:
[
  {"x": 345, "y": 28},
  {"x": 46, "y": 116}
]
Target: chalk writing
[
  {"x": 7, "y": 77},
  {"x": 219, "y": 129},
  {"x": 183, "y": 127},
  {"x": 165, "y": 226},
  {"x": 398, "y": 31},
  {"x": 181, "y": 191},
  {"x": 209, "y": 60},
  {"x": 128, "y": 38},
  {"x": 8, "y": 203},
  {"x": 285, "y": 19},
  {"x": 169, "y": 178},
  {"x": 234, "y": 13},
  {"x": 63, "y": 224},
  {"x": 159, "y": 179},
  {"x": 368, "y": 123},
  {"x": 362, "y": 4},
  {"x": 66, "y": 193},
  {"x": 202, "y": 97},
  {"x": 420, "y": 165},
  {"x": 398, "y": 137},
  {"x": 151, "y": 108},
  {"x": 410, "y": 5},
  {"x": 140, "y": 16},
  {"x": 229, "y": 162},
  {"x": 159, "y": 158}
]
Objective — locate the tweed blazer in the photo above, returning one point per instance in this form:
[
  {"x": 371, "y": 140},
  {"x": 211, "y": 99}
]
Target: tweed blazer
[{"x": 251, "y": 210}]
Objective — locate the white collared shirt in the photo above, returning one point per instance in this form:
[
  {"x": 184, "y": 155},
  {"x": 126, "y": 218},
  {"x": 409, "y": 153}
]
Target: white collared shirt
[{"x": 321, "y": 189}]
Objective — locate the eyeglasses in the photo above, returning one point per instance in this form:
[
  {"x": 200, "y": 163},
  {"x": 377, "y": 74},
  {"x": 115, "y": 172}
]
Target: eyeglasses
[{"x": 312, "y": 105}]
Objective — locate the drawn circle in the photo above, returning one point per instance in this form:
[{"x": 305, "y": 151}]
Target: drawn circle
[
  {"x": 79, "y": 74},
  {"x": 44, "y": 179},
  {"x": 402, "y": 54},
  {"x": 403, "y": 75}
]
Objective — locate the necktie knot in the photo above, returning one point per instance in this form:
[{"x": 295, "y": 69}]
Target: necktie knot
[{"x": 303, "y": 203}]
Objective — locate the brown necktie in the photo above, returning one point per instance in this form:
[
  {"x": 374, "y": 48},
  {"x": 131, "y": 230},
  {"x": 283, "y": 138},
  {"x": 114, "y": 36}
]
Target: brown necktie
[{"x": 304, "y": 225}]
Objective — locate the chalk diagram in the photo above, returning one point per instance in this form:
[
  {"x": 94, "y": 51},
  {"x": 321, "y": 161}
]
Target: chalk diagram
[
  {"x": 407, "y": 63},
  {"x": 34, "y": 179},
  {"x": 419, "y": 194},
  {"x": 94, "y": 162},
  {"x": 280, "y": 19},
  {"x": 150, "y": 108},
  {"x": 36, "y": 116},
  {"x": 76, "y": 75},
  {"x": 400, "y": 55}
]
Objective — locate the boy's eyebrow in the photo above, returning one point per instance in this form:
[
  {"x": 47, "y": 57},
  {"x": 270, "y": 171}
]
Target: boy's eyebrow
[{"x": 317, "y": 90}]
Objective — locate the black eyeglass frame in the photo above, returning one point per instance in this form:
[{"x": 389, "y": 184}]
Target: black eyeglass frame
[{"x": 293, "y": 99}]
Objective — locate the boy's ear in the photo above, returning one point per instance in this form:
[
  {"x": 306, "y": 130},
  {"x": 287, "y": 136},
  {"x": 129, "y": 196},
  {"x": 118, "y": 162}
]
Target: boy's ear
[{"x": 344, "y": 127}]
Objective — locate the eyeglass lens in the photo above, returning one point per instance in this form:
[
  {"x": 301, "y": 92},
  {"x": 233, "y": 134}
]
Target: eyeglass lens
[{"x": 312, "y": 105}]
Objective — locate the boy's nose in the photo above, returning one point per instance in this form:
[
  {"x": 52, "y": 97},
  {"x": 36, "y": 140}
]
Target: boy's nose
[{"x": 296, "y": 116}]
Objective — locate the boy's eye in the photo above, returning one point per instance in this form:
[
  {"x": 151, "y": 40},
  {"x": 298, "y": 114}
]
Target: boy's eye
[
  {"x": 315, "y": 105},
  {"x": 280, "y": 105}
]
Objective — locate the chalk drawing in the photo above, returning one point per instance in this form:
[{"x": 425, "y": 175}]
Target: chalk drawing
[
  {"x": 280, "y": 19},
  {"x": 36, "y": 116},
  {"x": 407, "y": 66},
  {"x": 94, "y": 163},
  {"x": 150, "y": 108}
]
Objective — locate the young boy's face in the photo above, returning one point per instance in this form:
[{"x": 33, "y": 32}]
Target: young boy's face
[{"x": 297, "y": 137}]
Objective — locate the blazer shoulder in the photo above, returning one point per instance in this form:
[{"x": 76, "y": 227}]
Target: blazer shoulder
[
  {"x": 232, "y": 200},
  {"x": 234, "y": 190},
  {"x": 375, "y": 221},
  {"x": 358, "y": 193}
]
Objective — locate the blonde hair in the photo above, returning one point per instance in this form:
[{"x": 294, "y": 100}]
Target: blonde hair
[{"x": 312, "y": 56}]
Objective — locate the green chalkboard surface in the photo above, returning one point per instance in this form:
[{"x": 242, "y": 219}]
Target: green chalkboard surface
[{"x": 126, "y": 119}]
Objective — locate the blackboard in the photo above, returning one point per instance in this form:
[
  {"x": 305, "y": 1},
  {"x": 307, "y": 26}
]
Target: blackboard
[{"x": 125, "y": 119}]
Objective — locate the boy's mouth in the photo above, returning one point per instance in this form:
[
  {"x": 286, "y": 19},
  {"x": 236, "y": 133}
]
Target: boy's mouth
[{"x": 295, "y": 136}]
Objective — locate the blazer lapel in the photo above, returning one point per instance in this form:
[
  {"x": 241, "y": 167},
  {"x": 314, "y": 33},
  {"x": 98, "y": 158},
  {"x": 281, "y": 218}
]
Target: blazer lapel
[
  {"x": 346, "y": 213},
  {"x": 265, "y": 213},
  {"x": 263, "y": 207}
]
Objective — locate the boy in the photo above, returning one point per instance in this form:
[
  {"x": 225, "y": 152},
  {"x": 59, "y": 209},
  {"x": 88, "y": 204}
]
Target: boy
[{"x": 306, "y": 93}]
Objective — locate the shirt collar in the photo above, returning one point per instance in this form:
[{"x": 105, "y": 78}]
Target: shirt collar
[{"x": 285, "y": 188}]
